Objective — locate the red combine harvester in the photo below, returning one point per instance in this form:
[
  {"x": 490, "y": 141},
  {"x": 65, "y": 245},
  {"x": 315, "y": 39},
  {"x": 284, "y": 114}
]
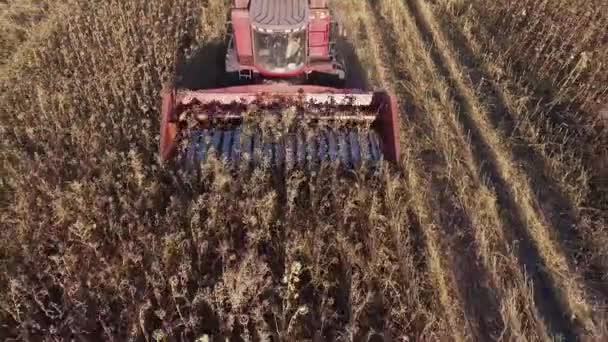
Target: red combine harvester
[{"x": 283, "y": 112}]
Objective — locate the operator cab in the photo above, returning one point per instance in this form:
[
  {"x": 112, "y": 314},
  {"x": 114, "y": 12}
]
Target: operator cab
[
  {"x": 270, "y": 39},
  {"x": 279, "y": 35},
  {"x": 280, "y": 52}
]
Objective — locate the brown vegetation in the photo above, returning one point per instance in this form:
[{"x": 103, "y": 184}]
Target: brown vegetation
[{"x": 493, "y": 226}]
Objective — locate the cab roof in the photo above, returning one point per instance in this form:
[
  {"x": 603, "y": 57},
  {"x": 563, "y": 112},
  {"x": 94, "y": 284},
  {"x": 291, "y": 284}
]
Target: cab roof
[{"x": 279, "y": 15}]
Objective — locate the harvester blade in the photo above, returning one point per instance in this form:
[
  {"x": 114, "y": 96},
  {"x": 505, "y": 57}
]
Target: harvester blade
[
  {"x": 305, "y": 148},
  {"x": 268, "y": 153},
  {"x": 364, "y": 146},
  {"x": 216, "y": 143},
  {"x": 258, "y": 148},
  {"x": 279, "y": 151},
  {"x": 311, "y": 149},
  {"x": 195, "y": 140},
  {"x": 227, "y": 145},
  {"x": 343, "y": 148},
  {"x": 337, "y": 121},
  {"x": 323, "y": 146},
  {"x": 247, "y": 148},
  {"x": 301, "y": 149},
  {"x": 236, "y": 146},
  {"x": 374, "y": 146},
  {"x": 200, "y": 148},
  {"x": 290, "y": 151},
  {"x": 355, "y": 151},
  {"x": 333, "y": 145}
]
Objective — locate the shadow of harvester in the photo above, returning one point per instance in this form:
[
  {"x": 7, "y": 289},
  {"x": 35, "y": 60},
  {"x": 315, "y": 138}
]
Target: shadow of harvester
[{"x": 204, "y": 69}]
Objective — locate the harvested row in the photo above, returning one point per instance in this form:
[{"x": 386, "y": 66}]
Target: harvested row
[
  {"x": 524, "y": 258},
  {"x": 515, "y": 191},
  {"x": 451, "y": 263},
  {"x": 415, "y": 314},
  {"x": 439, "y": 266},
  {"x": 107, "y": 243},
  {"x": 412, "y": 61},
  {"x": 535, "y": 124}
]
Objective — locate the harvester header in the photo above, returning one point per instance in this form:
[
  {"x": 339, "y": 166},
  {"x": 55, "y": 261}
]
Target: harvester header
[{"x": 286, "y": 105}]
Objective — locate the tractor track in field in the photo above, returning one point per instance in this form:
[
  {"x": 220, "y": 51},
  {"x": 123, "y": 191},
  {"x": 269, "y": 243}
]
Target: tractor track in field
[
  {"x": 548, "y": 301},
  {"x": 555, "y": 205},
  {"x": 417, "y": 323},
  {"x": 427, "y": 230},
  {"x": 558, "y": 292},
  {"x": 485, "y": 158},
  {"x": 461, "y": 281}
]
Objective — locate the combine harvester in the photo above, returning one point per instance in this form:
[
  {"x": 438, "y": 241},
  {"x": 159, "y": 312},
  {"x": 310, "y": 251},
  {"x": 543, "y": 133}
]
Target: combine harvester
[{"x": 283, "y": 108}]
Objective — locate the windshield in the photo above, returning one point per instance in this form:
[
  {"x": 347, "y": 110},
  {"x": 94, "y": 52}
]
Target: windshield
[{"x": 280, "y": 52}]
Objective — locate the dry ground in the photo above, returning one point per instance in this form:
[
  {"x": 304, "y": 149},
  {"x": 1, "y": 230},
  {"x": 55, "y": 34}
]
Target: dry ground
[{"x": 493, "y": 226}]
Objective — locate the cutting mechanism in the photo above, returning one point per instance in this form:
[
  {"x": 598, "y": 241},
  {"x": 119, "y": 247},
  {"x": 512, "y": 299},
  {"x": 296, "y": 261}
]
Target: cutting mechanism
[{"x": 286, "y": 106}]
